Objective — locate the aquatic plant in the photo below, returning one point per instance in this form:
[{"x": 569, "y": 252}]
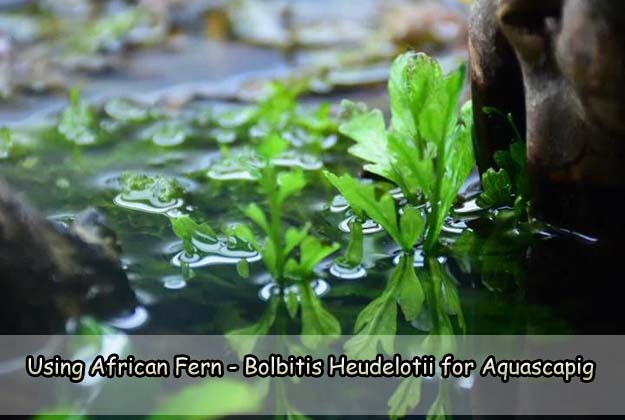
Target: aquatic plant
[
  {"x": 508, "y": 186},
  {"x": 162, "y": 188},
  {"x": 425, "y": 150},
  {"x": 6, "y": 143},
  {"x": 78, "y": 122},
  {"x": 290, "y": 255}
]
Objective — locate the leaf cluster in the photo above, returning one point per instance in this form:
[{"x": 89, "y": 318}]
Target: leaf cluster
[{"x": 426, "y": 150}]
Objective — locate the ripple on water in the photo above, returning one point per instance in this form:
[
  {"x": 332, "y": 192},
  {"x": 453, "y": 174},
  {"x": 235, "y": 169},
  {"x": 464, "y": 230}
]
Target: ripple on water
[
  {"x": 346, "y": 272},
  {"x": 320, "y": 288},
  {"x": 468, "y": 208},
  {"x": 454, "y": 226},
  {"x": 368, "y": 227},
  {"x": 174, "y": 282},
  {"x": 145, "y": 201},
  {"x": 419, "y": 258},
  {"x": 339, "y": 204},
  {"x": 213, "y": 251},
  {"x": 293, "y": 159},
  {"x": 131, "y": 321},
  {"x": 236, "y": 168}
]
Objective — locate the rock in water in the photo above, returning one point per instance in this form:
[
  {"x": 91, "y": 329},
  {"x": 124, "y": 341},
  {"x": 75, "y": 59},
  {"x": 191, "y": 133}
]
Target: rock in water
[{"x": 52, "y": 273}]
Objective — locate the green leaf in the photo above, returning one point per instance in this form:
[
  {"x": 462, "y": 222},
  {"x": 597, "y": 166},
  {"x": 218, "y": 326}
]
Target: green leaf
[
  {"x": 497, "y": 189},
  {"x": 375, "y": 327},
  {"x": 411, "y": 225},
  {"x": 6, "y": 143},
  {"x": 369, "y": 132},
  {"x": 410, "y": 295},
  {"x": 438, "y": 116},
  {"x": 148, "y": 186},
  {"x": 243, "y": 268},
  {"x": 256, "y": 214},
  {"x": 243, "y": 340},
  {"x": 316, "y": 320},
  {"x": 186, "y": 228},
  {"x": 294, "y": 238},
  {"x": 211, "y": 399},
  {"x": 272, "y": 146},
  {"x": 514, "y": 162},
  {"x": 354, "y": 251},
  {"x": 312, "y": 252},
  {"x": 456, "y": 163},
  {"x": 245, "y": 233},
  {"x": 405, "y": 398},
  {"x": 290, "y": 183},
  {"x": 78, "y": 122},
  {"x": 412, "y": 77},
  {"x": 362, "y": 198},
  {"x": 292, "y": 304}
]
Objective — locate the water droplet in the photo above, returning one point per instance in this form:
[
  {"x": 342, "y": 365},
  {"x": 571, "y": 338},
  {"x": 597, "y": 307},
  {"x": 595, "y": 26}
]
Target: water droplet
[
  {"x": 368, "y": 227},
  {"x": 345, "y": 272},
  {"x": 135, "y": 319},
  {"x": 174, "y": 282}
]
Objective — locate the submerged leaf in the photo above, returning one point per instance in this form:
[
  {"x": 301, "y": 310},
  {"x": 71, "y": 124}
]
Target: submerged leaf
[
  {"x": 243, "y": 340},
  {"x": 410, "y": 294},
  {"x": 405, "y": 398},
  {"x": 211, "y": 399},
  {"x": 316, "y": 320}
]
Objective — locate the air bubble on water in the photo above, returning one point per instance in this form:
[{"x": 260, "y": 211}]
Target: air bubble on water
[
  {"x": 320, "y": 288},
  {"x": 346, "y": 272},
  {"x": 368, "y": 227},
  {"x": 174, "y": 282},
  {"x": 137, "y": 318},
  {"x": 339, "y": 204}
]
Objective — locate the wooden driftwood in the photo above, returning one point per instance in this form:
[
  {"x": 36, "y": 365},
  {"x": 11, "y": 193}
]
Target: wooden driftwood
[
  {"x": 557, "y": 65},
  {"x": 51, "y": 273}
]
